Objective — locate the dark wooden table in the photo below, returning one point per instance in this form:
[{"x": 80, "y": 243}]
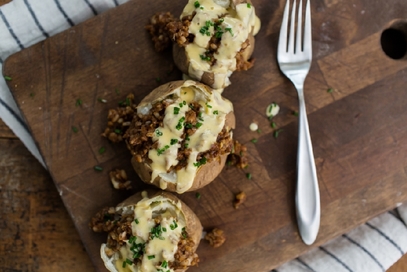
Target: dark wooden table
[{"x": 37, "y": 233}]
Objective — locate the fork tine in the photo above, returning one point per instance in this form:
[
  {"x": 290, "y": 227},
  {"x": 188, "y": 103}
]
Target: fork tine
[
  {"x": 298, "y": 47},
  {"x": 282, "y": 41},
  {"x": 292, "y": 27},
  {"x": 307, "y": 30}
]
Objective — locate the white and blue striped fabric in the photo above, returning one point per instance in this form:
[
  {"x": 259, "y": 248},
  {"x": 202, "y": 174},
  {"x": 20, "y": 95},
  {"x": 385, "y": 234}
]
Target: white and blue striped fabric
[{"x": 374, "y": 246}]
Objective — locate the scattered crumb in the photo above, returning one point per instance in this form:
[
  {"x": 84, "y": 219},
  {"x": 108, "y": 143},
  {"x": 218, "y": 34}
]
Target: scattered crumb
[
  {"x": 215, "y": 237},
  {"x": 272, "y": 110},
  {"x": 239, "y": 199},
  {"x": 254, "y": 127},
  {"x": 119, "y": 180},
  {"x": 238, "y": 156}
]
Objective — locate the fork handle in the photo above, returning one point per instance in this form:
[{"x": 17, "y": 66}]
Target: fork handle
[{"x": 307, "y": 194}]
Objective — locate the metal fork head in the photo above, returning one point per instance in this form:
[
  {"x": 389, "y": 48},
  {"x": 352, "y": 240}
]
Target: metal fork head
[{"x": 295, "y": 48}]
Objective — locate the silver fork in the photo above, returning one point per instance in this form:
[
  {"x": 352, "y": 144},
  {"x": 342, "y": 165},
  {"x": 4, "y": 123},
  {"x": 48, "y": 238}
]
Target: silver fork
[{"x": 295, "y": 61}]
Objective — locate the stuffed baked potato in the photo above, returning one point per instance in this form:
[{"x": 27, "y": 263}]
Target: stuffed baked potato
[
  {"x": 214, "y": 39},
  {"x": 181, "y": 136},
  {"x": 148, "y": 232}
]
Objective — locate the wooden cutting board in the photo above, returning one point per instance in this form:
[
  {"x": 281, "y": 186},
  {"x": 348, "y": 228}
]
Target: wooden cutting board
[{"x": 358, "y": 130}]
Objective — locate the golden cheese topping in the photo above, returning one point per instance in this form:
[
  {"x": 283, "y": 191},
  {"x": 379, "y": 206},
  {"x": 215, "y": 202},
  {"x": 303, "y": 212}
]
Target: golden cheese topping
[
  {"x": 213, "y": 113},
  {"x": 237, "y": 22},
  {"x": 159, "y": 241}
]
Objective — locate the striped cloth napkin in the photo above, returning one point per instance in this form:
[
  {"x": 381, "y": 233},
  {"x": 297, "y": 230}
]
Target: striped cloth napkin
[{"x": 374, "y": 246}]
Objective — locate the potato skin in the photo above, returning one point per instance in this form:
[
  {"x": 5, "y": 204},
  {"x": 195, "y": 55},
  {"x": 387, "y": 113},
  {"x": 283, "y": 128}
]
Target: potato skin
[
  {"x": 206, "y": 173},
  {"x": 193, "y": 224}
]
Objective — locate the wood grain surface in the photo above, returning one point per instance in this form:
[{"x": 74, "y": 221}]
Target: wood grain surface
[{"x": 358, "y": 132}]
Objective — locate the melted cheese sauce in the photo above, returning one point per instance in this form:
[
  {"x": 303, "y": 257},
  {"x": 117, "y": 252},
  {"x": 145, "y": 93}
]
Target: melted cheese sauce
[
  {"x": 241, "y": 20},
  {"x": 163, "y": 248},
  {"x": 213, "y": 112}
]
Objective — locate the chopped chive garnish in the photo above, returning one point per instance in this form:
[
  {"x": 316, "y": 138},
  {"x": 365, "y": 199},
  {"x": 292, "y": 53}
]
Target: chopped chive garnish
[
  {"x": 75, "y": 129},
  {"x": 184, "y": 233},
  {"x": 198, "y": 195},
  {"x": 259, "y": 131},
  {"x": 164, "y": 264},
  {"x": 230, "y": 30},
  {"x": 7, "y": 78},
  {"x": 330, "y": 90},
  {"x": 176, "y": 110},
  {"x": 150, "y": 257},
  {"x": 129, "y": 262},
  {"x": 184, "y": 102},
  {"x": 249, "y": 5},
  {"x": 164, "y": 230},
  {"x": 32, "y": 94},
  {"x": 124, "y": 264},
  {"x": 136, "y": 221},
  {"x": 78, "y": 102},
  {"x": 98, "y": 168},
  {"x": 277, "y": 132},
  {"x": 200, "y": 162},
  {"x": 198, "y": 125},
  {"x": 254, "y": 140},
  {"x": 181, "y": 105},
  {"x": 203, "y": 57},
  {"x": 117, "y": 131},
  {"x": 209, "y": 106},
  {"x": 218, "y": 34},
  {"x": 102, "y": 150},
  {"x": 221, "y": 20},
  {"x": 295, "y": 113},
  {"x": 132, "y": 239},
  {"x": 186, "y": 145},
  {"x": 173, "y": 141},
  {"x": 249, "y": 176},
  {"x": 196, "y": 4},
  {"x": 273, "y": 125},
  {"x": 188, "y": 125},
  {"x": 158, "y": 132},
  {"x": 216, "y": 112}
]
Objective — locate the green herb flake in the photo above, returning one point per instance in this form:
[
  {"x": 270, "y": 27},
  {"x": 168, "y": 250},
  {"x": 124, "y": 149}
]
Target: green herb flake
[
  {"x": 102, "y": 150},
  {"x": 221, "y": 20},
  {"x": 186, "y": 145},
  {"x": 295, "y": 113},
  {"x": 129, "y": 262},
  {"x": 32, "y": 94},
  {"x": 203, "y": 57},
  {"x": 249, "y": 5},
  {"x": 78, "y": 102},
  {"x": 124, "y": 264},
  {"x": 158, "y": 133},
  {"x": 218, "y": 34},
  {"x": 259, "y": 131},
  {"x": 184, "y": 233},
  {"x": 164, "y": 264},
  {"x": 150, "y": 257},
  {"x": 75, "y": 129},
  {"x": 196, "y": 4},
  {"x": 216, "y": 112},
  {"x": 184, "y": 102},
  {"x": 277, "y": 132},
  {"x": 198, "y": 125},
  {"x": 7, "y": 78},
  {"x": 173, "y": 141},
  {"x": 198, "y": 195},
  {"x": 98, "y": 168},
  {"x": 229, "y": 30},
  {"x": 209, "y": 106},
  {"x": 330, "y": 90},
  {"x": 249, "y": 176},
  {"x": 176, "y": 110},
  {"x": 273, "y": 125},
  {"x": 136, "y": 221},
  {"x": 117, "y": 131},
  {"x": 200, "y": 162},
  {"x": 164, "y": 230},
  {"x": 254, "y": 140}
]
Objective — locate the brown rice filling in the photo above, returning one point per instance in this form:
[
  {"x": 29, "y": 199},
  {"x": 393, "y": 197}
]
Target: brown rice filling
[
  {"x": 139, "y": 136},
  {"x": 164, "y": 28},
  {"x": 118, "y": 227}
]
